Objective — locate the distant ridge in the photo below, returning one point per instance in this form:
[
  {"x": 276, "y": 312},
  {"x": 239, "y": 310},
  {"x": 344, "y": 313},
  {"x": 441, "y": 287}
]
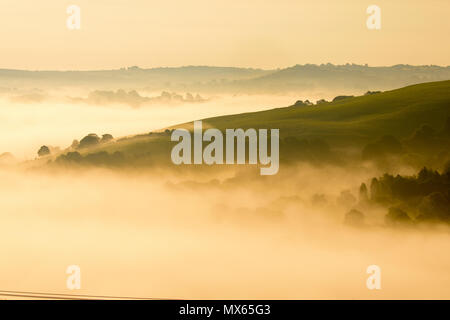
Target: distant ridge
[{"x": 297, "y": 78}]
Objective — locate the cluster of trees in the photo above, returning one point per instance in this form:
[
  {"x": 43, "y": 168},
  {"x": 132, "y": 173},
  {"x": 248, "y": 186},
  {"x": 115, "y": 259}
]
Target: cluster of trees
[
  {"x": 424, "y": 143},
  {"x": 47, "y": 150},
  {"x": 101, "y": 158},
  {"x": 301, "y": 103},
  {"x": 90, "y": 140},
  {"x": 424, "y": 197},
  {"x": 340, "y": 98},
  {"x": 134, "y": 99},
  {"x": 368, "y": 93}
]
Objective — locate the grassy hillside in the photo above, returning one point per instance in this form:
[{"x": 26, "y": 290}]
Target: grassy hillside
[
  {"x": 352, "y": 122},
  {"x": 355, "y": 120}
]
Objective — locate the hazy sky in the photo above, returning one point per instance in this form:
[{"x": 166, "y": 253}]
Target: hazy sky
[{"x": 250, "y": 33}]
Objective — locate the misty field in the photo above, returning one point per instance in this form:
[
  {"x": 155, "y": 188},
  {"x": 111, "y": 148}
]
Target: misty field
[{"x": 138, "y": 234}]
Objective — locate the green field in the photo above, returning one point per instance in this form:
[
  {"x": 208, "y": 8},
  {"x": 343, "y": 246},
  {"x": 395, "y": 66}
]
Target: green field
[{"x": 355, "y": 120}]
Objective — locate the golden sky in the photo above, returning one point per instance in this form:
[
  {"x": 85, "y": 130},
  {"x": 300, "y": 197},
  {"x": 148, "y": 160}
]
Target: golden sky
[{"x": 246, "y": 33}]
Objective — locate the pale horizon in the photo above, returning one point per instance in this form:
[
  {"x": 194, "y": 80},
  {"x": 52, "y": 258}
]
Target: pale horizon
[
  {"x": 267, "y": 35},
  {"x": 221, "y": 66}
]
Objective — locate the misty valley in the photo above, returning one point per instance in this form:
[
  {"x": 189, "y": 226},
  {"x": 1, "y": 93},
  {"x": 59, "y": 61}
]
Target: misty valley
[{"x": 307, "y": 194}]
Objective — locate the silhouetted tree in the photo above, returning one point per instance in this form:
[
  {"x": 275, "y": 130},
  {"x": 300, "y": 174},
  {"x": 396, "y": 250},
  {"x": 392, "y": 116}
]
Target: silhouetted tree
[
  {"x": 435, "y": 206},
  {"x": 363, "y": 193},
  {"x": 301, "y": 103},
  {"x": 7, "y": 158},
  {"x": 371, "y": 92},
  {"x": 426, "y": 196},
  {"x": 43, "y": 151},
  {"x": 340, "y": 98},
  {"x": 70, "y": 157},
  {"x": 374, "y": 189},
  {"x": 75, "y": 144},
  {"x": 354, "y": 218},
  {"x": 90, "y": 140},
  {"x": 346, "y": 198},
  {"x": 106, "y": 137},
  {"x": 397, "y": 216}
]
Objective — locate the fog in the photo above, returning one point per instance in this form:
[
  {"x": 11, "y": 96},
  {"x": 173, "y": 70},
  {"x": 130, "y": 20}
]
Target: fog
[
  {"x": 27, "y": 126},
  {"x": 184, "y": 234}
]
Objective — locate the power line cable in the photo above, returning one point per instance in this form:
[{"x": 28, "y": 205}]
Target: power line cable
[{"x": 49, "y": 295}]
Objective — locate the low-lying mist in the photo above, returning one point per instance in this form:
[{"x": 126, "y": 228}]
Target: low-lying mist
[
  {"x": 27, "y": 126},
  {"x": 180, "y": 234}
]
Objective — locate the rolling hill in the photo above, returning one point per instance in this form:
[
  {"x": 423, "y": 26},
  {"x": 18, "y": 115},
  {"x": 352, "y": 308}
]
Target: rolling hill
[
  {"x": 352, "y": 122},
  {"x": 207, "y": 79}
]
